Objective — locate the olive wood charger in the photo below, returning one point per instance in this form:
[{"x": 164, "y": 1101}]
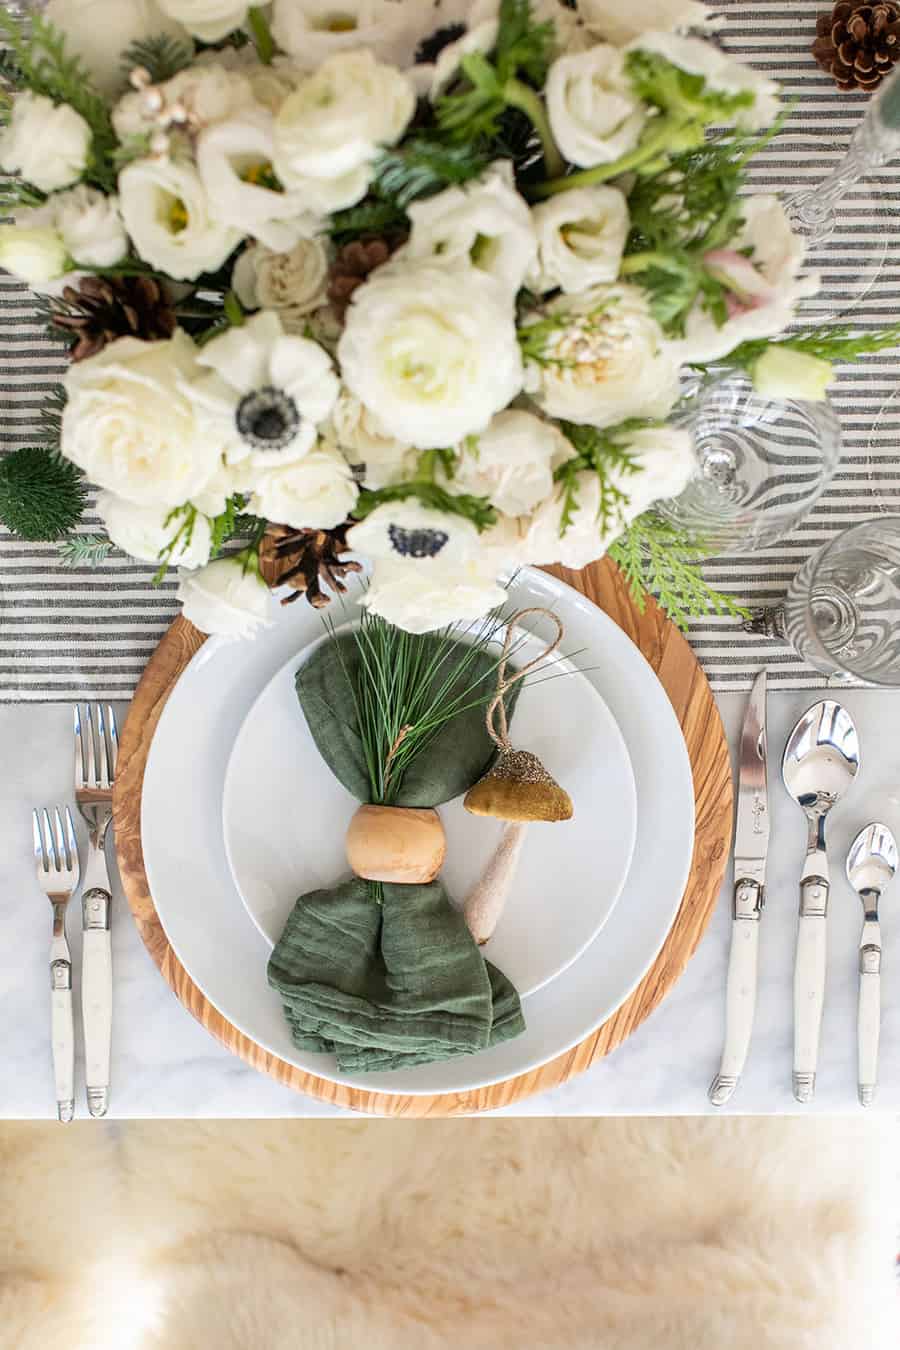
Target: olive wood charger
[{"x": 678, "y": 671}]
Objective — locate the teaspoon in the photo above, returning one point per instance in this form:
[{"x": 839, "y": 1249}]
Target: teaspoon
[{"x": 871, "y": 863}]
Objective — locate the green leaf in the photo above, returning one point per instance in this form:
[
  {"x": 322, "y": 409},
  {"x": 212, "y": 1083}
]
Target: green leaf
[
  {"x": 828, "y": 343},
  {"x": 420, "y": 168},
  {"x": 476, "y": 509},
  {"x": 603, "y": 452},
  {"x": 666, "y": 86},
  {"x": 262, "y": 34},
  {"x": 162, "y": 56},
  {"x": 84, "y": 550},
  {"x": 369, "y": 217}
]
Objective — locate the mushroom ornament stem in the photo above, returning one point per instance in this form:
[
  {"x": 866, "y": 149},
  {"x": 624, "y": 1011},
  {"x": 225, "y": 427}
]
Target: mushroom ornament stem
[{"x": 485, "y": 902}]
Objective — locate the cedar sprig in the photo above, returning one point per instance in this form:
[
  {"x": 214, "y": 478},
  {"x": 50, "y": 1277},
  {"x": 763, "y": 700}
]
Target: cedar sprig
[
  {"x": 603, "y": 452},
  {"x": 828, "y": 343},
  {"x": 84, "y": 550},
  {"x": 657, "y": 558}
]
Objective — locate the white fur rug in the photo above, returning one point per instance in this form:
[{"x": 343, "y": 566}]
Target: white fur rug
[{"x": 733, "y": 1234}]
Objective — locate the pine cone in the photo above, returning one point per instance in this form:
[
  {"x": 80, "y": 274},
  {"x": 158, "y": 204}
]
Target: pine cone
[
  {"x": 102, "y": 309},
  {"x": 858, "y": 42},
  {"x": 351, "y": 266},
  {"x": 306, "y": 559}
]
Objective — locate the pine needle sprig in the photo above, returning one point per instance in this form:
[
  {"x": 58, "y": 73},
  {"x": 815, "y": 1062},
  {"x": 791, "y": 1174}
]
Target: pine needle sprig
[
  {"x": 84, "y": 550},
  {"x": 162, "y": 56},
  {"x": 51, "y": 417},
  {"x": 420, "y": 168},
  {"x": 657, "y": 558}
]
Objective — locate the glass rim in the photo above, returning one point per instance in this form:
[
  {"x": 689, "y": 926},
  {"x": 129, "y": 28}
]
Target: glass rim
[{"x": 820, "y": 557}]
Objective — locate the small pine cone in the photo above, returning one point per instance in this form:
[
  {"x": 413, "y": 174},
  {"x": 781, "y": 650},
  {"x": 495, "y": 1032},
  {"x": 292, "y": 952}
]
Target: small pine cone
[
  {"x": 102, "y": 309},
  {"x": 858, "y": 43},
  {"x": 305, "y": 559},
  {"x": 352, "y": 264}
]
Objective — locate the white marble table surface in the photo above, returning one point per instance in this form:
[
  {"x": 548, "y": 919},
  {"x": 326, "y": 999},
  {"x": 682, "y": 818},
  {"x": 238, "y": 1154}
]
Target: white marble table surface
[{"x": 166, "y": 1064}]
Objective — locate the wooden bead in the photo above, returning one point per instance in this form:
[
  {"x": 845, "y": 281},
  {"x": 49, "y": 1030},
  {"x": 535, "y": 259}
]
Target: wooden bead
[{"x": 396, "y": 843}]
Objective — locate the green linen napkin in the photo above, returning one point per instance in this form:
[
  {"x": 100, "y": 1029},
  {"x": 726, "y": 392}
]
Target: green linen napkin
[{"x": 402, "y": 982}]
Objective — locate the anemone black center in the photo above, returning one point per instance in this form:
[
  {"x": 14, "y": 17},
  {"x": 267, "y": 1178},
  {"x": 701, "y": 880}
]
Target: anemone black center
[
  {"x": 416, "y": 543},
  {"x": 268, "y": 418},
  {"x": 430, "y": 48}
]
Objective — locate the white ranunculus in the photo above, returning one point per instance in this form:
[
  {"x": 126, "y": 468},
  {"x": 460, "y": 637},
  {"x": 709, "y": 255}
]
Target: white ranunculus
[
  {"x": 486, "y": 223},
  {"x": 167, "y": 214},
  {"x": 511, "y": 462},
  {"x": 616, "y": 22},
  {"x": 265, "y": 393},
  {"x": 432, "y": 351},
  {"x": 607, "y": 360},
  {"x": 361, "y": 439},
  {"x": 721, "y": 72},
  {"x": 312, "y": 30},
  {"x": 209, "y": 20},
  {"x": 227, "y": 598},
  {"x": 415, "y": 536},
  {"x": 91, "y": 226},
  {"x": 764, "y": 288},
  {"x": 206, "y": 92},
  {"x": 46, "y": 143},
  {"x": 329, "y": 130},
  {"x": 131, "y": 428},
  {"x": 100, "y": 31},
  {"x": 146, "y": 531},
  {"x": 665, "y": 462},
  {"x": 595, "y": 115},
  {"x": 293, "y": 283},
  {"x": 34, "y": 251},
  {"x": 313, "y": 493},
  {"x": 581, "y": 237},
  {"x": 422, "y": 599}
]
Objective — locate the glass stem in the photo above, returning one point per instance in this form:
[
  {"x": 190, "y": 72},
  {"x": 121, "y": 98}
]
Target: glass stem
[{"x": 812, "y": 212}]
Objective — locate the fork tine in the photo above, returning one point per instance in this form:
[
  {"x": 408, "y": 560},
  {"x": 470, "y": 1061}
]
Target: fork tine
[
  {"x": 79, "y": 750},
  {"x": 48, "y": 842},
  {"x": 39, "y": 855},
  {"x": 90, "y": 769},
  {"x": 71, "y": 842},
  {"x": 102, "y": 751},
  {"x": 59, "y": 839},
  {"x": 113, "y": 741}
]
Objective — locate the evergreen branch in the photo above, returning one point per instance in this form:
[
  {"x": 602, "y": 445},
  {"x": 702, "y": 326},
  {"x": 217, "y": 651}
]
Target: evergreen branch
[
  {"x": 162, "y": 56},
  {"x": 420, "y": 168},
  {"x": 828, "y": 343},
  {"x": 657, "y": 558},
  {"x": 51, "y": 416},
  {"x": 84, "y": 550},
  {"x": 369, "y": 217},
  {"x": 604, "y": 453},
  {"x": 476, "y": 509},
  {"x": 16, "y": 195}
]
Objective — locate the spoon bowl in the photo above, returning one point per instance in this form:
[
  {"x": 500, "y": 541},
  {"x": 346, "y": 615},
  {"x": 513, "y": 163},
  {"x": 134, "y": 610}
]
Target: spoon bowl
[
  {"x": 872, "y": 860},
  {"x": 821, "y": 758}
]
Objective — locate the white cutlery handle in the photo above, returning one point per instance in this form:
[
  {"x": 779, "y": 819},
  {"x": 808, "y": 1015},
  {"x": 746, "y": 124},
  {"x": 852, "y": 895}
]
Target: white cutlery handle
[
  {"x": 869, "y": 1017},
  {"x": 740, "y": 998},
  {"x": 809, "y": 983},
  {"x": 62, "y": 1033},
  {"x": 96, "y": 998}
]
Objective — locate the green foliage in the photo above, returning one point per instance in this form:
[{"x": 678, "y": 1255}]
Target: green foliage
[
  {"x": 476, "y": 509},
  {"x": 829, "y": 343},
  {"x": 420, "y": 167},
  {"x": 658, "y": 558},
  {"x": 369, "y": 217},
  {"x": 604, "y": 453},
  {"x": 84, "y": 550},
  {"x": 262, "y": 34},
  {"x": 16, "y": 195},
  {"x": 41, "y": 495},
  {"x": 162, "y": 56}
]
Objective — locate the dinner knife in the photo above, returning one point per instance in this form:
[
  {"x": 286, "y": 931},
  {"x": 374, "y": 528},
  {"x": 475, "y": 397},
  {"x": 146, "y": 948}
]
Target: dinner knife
[{"x": 751, "y": 843}]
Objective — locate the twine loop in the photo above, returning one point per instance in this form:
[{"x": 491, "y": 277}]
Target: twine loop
[{"x": 499, "y": 734}]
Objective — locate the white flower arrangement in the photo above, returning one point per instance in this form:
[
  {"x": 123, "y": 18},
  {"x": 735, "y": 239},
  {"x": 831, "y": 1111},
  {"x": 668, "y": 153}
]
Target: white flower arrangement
[{"x": 493, "y": 390}]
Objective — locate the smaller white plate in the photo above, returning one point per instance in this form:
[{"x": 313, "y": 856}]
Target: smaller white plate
[{"x": 285, "y": 814}]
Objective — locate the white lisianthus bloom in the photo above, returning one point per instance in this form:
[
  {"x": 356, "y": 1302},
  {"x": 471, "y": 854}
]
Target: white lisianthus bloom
[
  {"x": 581, "y": 238},
  {"x": 763, "y": 290},
  {"x": 423, "y": 599},
  {"x": 293, "y": 283},
  {"x": 415, "y": 536},
  {"x": 131, "y": 428},
  {"x": 265, "y": 393},
  {"x": 665, "y": 461},
  {"x": 34, "y": 251},
  {"x": 91, "y": 226},
  {"x": 313, "y": 493},
  {"x": 227, "y": 598},
  {"x": 594, "y": 112},
  {"x": 613, "y": 21},
  {"x": 329, "y": 130},
  {"x": 99, "y": 31},
  {"x": 511, "y": 462},
  {"x": 167, "y": 214},
  {"x": 209, "y": 20},
  {"x": 432, "y": 351},
  {"x": 46, "y": 143},
  {"x": 361, "y": 439},
  {"x": 721, "y": 72},
  {"x": 486, "y": 223},
  {"x": 146, "y": 531},
  {"x": 207, "y": 92},
  {"x": 312, "y": 30},
  {"x": 781, "y": 373},
  {"x": 600, "y": 357}
]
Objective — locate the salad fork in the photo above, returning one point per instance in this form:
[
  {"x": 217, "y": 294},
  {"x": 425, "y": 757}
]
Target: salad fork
[
  {"x": 56, "y": 860},
  {"x": 96, "y": 749}
]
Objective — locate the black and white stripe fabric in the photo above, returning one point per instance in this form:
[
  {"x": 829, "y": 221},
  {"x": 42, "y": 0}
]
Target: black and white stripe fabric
[{"x": 87, "y": 632}]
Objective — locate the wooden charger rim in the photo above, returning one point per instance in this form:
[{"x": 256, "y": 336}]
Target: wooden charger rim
[{"x": 681, "y": 676}]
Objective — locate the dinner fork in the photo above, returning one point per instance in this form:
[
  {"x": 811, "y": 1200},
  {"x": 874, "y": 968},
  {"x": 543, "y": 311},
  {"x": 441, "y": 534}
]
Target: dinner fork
[
  {"x": 56, "y": 859},
  {"x": 96, "y": 750}
]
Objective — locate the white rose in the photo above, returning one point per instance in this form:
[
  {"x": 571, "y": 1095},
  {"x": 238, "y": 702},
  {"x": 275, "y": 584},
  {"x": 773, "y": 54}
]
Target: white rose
[
  {"x": 311, "y": 30},
  {"x": 266, "y": 392},
  {"x": 91, "y": 226},
  {"x": 313, "y": 493},
  {"x": 607, "y": 359},
  {"x": 167, "y": 214},
  {"x": 130, "y": 427},
  {"x": 361, "y": 439},
  {"x": 421, "y": 599},
  {"x": 764, "y": 289},
  {"x": 209, "y": 20},
  {"x": 227, "y": 597},
  {"x": 206, "y": 91},
  {"x": 720, "y": 71},
  {"x": 581, "y": 237},
  {"x": 432, "y": 351},
  {"x": 595, "y": 115},
  {"x": 226, "y": 480},
  {"x": 330, "y": 129},
  {"x": 613, "y": 21},
  {"x": 47, "y": 144},
  {"x": 511, "y": 462},
  {"x": 35, "y": 252},
  {"x": 99, "y": 32},
  {"x": 146, "y": 531},
  {"x": 486, "y": 223},
  {"x": 293, "y": 283}
]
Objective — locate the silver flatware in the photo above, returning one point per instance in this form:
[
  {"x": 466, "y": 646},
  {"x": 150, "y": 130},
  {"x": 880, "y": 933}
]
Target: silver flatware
[
  {"x": 871, "y": 864},
  {"x": 751, "y": 844},
  {"x": 96, "y": 750},
  {"x": 821, "y": 760},
  {"x": 56, "y": 861}
]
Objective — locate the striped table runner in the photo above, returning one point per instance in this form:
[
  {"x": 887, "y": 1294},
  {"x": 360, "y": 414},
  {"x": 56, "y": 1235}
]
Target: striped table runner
[{"x": 88, "y": 631}]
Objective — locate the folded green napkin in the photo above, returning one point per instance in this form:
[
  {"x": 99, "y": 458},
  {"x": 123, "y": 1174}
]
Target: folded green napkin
[{"x": 389, "y": 976}]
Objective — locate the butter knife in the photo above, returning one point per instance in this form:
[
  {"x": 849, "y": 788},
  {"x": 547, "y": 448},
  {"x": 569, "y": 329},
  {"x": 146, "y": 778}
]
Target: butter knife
[{"x": 751, "y": 844}]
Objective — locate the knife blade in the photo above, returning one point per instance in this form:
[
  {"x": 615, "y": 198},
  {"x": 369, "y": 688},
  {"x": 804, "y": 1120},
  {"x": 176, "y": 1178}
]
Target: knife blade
[{"x": 751, "y": 846}]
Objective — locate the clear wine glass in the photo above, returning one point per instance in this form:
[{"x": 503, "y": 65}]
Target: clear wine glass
[{"x": 761, "y": 463}]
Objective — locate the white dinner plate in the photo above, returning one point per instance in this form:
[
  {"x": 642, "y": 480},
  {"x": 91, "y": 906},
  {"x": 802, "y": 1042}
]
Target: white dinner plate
[
  {"x": 224, "y": 952},
  {"x": 285, "y": 814}
]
